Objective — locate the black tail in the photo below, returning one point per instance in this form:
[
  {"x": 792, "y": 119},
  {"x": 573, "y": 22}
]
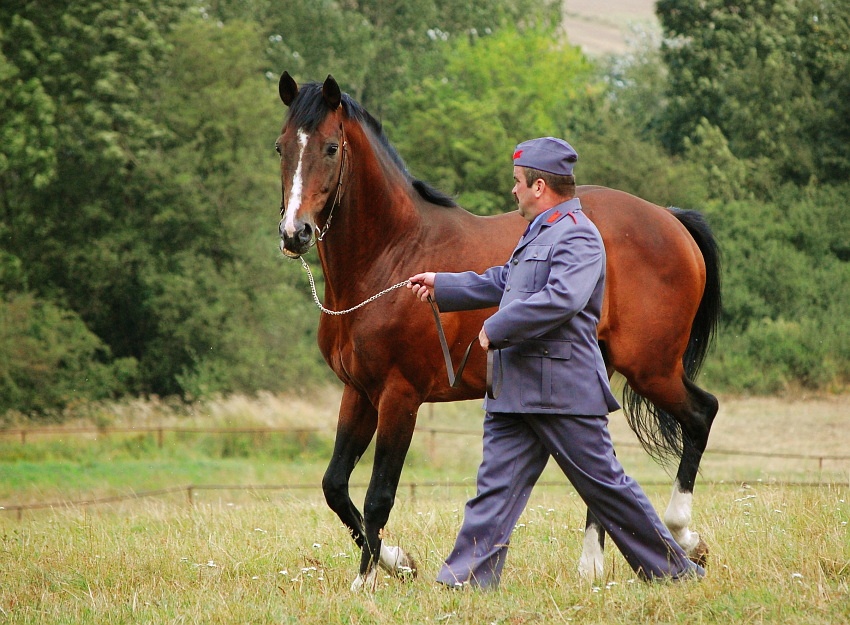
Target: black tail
[
  {"x": 659, "y": 432},
  {"x": 708, "y": 314}
]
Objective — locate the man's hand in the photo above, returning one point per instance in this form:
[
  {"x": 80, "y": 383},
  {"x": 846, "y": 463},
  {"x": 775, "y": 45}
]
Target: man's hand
[
  {"x": 484, "y": 339},
  {"x": 422, "y": 285}
]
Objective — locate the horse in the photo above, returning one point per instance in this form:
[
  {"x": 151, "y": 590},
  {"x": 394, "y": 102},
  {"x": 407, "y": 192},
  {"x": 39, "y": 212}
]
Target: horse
[{"x": 346, "y": 190}]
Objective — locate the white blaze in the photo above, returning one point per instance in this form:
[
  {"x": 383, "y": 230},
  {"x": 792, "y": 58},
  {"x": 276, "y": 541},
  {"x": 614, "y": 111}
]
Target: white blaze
[{"x": 296, "y": 188}]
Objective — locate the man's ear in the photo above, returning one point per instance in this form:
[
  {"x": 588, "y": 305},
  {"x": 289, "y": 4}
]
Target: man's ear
[{"x": 539, "y": 187}]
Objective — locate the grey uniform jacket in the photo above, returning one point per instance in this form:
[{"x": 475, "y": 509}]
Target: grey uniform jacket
[{"x": 550, "y": 297}]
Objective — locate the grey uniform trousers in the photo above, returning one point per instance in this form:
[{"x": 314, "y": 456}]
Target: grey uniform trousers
[{"x": 516, "y": 450}]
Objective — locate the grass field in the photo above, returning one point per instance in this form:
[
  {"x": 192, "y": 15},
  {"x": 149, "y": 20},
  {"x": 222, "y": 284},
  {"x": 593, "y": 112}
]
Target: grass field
[{"x": 780, "y": 553}]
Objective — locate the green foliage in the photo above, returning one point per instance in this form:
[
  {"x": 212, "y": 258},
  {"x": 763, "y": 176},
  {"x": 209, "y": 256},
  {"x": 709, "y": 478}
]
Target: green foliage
[
  {"x": 786, "y": 291},
  {"x": 458, "y": 129},
  {"x": 49, "y": 358},
  {"x": 373, "y": 47},
  {"x": 772, "y": 76},
  {"x": 614, "y": 155},
  {"x": 27, "y": 133},
  {"x": 229, "y": 317},
  {"x": 146, "y": 227},
  {"x": 139, "y": 190}
]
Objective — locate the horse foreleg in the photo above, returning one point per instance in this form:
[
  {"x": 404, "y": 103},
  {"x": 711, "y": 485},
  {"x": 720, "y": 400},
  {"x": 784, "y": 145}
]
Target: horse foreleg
[
  {"x": 592, "y": 562},
  {"x": 356, "y": 426},
  {"x": 395, "y": 431},
  {"x": 696, "y": 423}
]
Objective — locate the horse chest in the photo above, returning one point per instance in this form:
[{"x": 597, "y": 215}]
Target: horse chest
[{"x": 351, "y": 349}]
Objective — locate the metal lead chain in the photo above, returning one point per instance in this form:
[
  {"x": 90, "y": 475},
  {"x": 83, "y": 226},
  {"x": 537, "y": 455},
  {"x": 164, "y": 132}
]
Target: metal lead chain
[{"x": 347, "y": 310}]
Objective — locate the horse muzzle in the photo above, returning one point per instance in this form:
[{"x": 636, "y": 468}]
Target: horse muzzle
[{"x": 299, "y": 243}]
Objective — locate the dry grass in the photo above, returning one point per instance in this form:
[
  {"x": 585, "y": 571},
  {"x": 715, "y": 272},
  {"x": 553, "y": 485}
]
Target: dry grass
[{"x": 780, "y": 555}]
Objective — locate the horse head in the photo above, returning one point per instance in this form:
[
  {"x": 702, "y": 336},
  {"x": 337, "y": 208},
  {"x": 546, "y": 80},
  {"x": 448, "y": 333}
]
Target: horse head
[{"x": 312, "y": 150}]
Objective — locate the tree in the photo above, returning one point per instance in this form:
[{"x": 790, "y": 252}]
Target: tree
[
  {"x": 135, "y": 214},
  {"x": 72, "y": 77},
  {"x": 458, "y": 128},
  {"x": 771, "y": 75}
]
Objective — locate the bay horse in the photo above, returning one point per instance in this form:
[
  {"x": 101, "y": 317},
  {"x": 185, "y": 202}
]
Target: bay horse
[{"x": 347, "y": 190}]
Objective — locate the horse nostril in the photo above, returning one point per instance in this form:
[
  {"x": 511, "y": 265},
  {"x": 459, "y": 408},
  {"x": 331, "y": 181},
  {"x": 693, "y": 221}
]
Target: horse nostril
[
  {"x": 306, "y": 233},
  {"x": 280, "y": 229}
]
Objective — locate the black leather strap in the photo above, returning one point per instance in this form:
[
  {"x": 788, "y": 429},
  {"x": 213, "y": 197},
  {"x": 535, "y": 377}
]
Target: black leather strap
[
  {"x": 454, "y": 376},
  {"x": 494, "y": 382}
]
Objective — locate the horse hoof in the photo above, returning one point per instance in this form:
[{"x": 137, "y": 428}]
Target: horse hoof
[
  {"x": 366, "y": 582},
  {"x": 397, "y": 562},
  {"x": 699, "y": 554}
]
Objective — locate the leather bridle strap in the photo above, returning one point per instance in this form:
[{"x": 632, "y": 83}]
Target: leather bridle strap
[
  {"x": 494, "y": 384},
  {"x": 454, "y": 376}
]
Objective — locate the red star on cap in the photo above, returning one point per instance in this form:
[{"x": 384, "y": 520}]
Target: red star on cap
[{"x": 517, "y": 154}]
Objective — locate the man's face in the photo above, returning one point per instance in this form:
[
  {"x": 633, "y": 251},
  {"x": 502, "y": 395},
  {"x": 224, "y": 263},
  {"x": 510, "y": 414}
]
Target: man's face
[{"x": 525, "y": 196}]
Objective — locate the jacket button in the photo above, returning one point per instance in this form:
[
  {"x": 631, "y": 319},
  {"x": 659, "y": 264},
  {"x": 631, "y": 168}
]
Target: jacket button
[
  {"x": 515, "y": 261},
  {"x": 545, "y": 352},
  {"x": 508, "y": 288}
]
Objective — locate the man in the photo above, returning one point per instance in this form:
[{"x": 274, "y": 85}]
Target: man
[{"x": 555, "y": 393}]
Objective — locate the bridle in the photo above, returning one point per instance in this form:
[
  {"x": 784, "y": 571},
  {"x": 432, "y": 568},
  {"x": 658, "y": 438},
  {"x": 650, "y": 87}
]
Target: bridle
[{"x": 338, "y": 193}]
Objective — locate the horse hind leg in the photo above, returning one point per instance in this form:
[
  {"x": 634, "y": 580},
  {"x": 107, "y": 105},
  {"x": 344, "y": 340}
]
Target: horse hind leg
[
  {"x": 672, "y": 404},
  {"x": 696, "y": 419}
]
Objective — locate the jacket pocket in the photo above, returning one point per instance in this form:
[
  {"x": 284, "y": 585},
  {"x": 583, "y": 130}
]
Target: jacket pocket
[
  {"x": 535, "y": 268},
  {"x": 544, "y": 364}
]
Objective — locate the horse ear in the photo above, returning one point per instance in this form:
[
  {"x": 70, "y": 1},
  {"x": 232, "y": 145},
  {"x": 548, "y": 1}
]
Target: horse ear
[
  {"x": 331, "y": 93},
  {"x": 288, "y": 88}
]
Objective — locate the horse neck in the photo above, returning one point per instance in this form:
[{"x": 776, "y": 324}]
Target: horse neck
[{"x": 374, "y": 224}]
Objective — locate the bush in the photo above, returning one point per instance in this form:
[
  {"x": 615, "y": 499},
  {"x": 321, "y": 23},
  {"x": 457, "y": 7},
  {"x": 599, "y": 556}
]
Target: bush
[{"x": 49, "y": 358}]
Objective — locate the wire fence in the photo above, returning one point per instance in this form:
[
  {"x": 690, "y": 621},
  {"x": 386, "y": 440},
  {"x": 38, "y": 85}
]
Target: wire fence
[
  {"x": 26, "y": 434},
  {"x": 188, "y": 492}
]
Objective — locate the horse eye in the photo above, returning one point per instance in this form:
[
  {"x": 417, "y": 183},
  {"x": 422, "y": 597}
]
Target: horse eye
[
  {"x": 332, "y": 149},
  {"x": 277, "y": 148}
]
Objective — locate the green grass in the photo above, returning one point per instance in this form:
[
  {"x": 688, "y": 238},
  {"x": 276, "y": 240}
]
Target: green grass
[{"x": 779, "y": 555}]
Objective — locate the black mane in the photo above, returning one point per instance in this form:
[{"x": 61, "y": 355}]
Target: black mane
[{"x": 308, "y": 110}]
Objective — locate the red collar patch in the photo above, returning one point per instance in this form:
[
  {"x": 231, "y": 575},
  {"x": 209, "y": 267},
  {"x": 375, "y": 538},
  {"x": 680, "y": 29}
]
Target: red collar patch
[{"x": 554, "y": 217}]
